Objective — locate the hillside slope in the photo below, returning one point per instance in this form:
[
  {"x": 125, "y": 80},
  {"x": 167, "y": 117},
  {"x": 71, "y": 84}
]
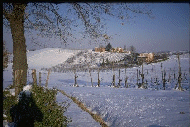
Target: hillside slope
[
  {"x": 48, "y": 57},
  {"x": 88, "y": 58}
]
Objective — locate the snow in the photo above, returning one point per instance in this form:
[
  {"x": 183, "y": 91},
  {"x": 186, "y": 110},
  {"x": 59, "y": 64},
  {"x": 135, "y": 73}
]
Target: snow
[
  {"x": 7, "y": 76},
  {"x": 12, "y": 92},
  {"x": 27, "y": 87},
  {"x": 27, "y": 93},
  {"x": 135, "y": 107},
  {"x": 117, "y": 106},
  {"x": 79, "y": 117},
  {"x": 46, "y": 58}
]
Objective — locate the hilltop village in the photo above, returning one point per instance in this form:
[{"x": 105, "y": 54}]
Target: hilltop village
[{"x": 136, "y": 57}]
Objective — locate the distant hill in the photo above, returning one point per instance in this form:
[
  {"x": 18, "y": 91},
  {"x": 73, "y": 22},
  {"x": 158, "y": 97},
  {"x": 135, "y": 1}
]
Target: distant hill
[{"x": 88, "y": 59}]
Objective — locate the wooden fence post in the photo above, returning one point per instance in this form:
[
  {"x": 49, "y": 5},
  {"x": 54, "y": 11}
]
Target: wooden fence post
[
  {"x": 126, "y": 84},
  {"x": 174, "y": 75},
  {"x": 75, "y": 84},
  {"x": 34, "y": 77},
  {"x": 126, "y": 78},
  {"x": 113, "y": 81},
  {"x": 47, "y": 78},
  {"x": 179, "y": 75},
  {"x": 90, "y": 75},
  {"x": 142, "y": 75},
  {"x": 91, "y": 78},
  {"x": 164, "y": 80},
  {"x": 151, "y": 80},
  {"x": 156, "y": 82},
  {"x": 119, "y": 83},
  {"x": 137, "y": 78},
  {"x": 98, "y": 78},
  {"x": 169, "y": 78}
]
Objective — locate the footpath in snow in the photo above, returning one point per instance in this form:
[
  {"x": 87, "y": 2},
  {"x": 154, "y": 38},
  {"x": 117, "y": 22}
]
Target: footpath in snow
[{"x": 79, "y": 117}]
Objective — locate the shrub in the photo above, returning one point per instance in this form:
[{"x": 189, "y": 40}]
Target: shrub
[
  {"x": 42, "y": 108},
  {"x": 52, "y": 112},
  {"x": 8, "y": 101}
]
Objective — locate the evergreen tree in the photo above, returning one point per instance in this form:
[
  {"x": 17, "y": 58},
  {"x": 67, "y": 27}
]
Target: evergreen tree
[{"x": 108, "y": 47}]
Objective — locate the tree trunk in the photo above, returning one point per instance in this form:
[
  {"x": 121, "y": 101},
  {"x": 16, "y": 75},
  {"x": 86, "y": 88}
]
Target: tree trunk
[{"x": 19, "y": 47}]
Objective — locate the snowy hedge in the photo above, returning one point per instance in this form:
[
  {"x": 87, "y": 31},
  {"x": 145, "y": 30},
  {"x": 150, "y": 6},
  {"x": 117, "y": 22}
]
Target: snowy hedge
[{"x": 39, "y": 109}]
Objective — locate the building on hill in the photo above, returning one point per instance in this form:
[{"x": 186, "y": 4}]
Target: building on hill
[
  {"x": 119, "y": 50},
  {"x": 100, "y": 49},
  {"x": 147, "y": 57},
  {"x": 129, "y": 52}
]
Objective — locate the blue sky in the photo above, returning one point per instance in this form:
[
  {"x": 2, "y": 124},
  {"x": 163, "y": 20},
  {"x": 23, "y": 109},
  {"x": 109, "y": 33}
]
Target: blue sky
[{"x": 168, "y": 31}]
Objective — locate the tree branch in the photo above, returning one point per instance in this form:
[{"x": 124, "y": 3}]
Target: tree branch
[
  {"x": 6, "y": 14},
  {"x": 78, "y": 8}
]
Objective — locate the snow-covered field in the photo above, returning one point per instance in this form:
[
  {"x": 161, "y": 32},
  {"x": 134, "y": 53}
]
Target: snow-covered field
[
  {"x": 135, "y": 107},
  {"x": 118, "y": 106}
]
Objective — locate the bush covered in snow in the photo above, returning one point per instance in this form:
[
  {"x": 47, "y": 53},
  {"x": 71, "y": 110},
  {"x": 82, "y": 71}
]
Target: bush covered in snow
[
  {"x": 38, "y": 108},
  {"x": 52, "y": 112},
  {"x": 8, "y": 101}
]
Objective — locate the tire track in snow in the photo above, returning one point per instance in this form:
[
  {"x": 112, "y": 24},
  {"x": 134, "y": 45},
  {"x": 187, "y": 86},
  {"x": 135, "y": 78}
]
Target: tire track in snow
[{"x": 96, "y": 117}]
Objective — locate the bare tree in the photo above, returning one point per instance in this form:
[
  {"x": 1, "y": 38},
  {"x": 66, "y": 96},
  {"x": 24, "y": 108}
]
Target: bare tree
[
  {"x": 132, "y": 49},
  {"x": 46, "y": 19},
  {"x": 124, "y": 48}
]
